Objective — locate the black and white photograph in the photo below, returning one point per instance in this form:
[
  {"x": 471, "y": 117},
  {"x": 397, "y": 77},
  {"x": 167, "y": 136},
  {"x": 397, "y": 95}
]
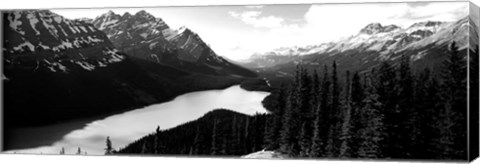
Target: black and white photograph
[{"x": 388, "y": 81}]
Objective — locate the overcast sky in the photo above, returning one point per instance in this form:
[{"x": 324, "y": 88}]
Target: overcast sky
[{"x": 237, "y": 32}]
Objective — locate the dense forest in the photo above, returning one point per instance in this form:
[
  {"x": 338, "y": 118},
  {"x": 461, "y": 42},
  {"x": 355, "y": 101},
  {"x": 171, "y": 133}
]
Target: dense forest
[
  {"x": 219, "y": 132},
  {"x": 390, "y": 112}
]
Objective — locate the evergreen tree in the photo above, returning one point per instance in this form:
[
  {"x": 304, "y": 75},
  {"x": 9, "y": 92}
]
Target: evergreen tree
[
  {"x": 215, "y": 145},
  {"x": 453, "y": 129},
  {"x": 144, "y": 149},
  {"x": 304, "y": 141},
  {"x": 197, "y": 142},
  {"x": 474, "y": 98},
  {"x": 346, "y": 130},
  {"x": 384, "y": 82},
  {"x": 79, "y": 151},
  {"x": 357, "y": 96},
  {"x": 321, "y": 121},
  {"x": 371, "y": 133},
  {"x": 274, "y": 124},
  {"x": 291, "y": 118},
  {"x": 247, "y": 135},
  {"x": 109, "y": 149},
  {"x": 62, "y": 151},
  {"x": 157, "y": 144},
  {"x": 333, "y": 114},
  {"x": 317, "y": 149},
  {"x": 357, "y": 93},
  {"x": 235, "y": 142},
  {"x": 427, "y": 99},
  {"x": 408, "y": 116}
]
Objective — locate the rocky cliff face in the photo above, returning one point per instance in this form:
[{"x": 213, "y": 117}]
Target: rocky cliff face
[
  {"x": 143, "y": 36},
  {"x": 44, "y": 40}
]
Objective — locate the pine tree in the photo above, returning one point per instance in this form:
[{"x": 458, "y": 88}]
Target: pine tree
[
  {"x": 197, "y": 142},
  {"x": 62, "y": 151},
  {"x": 357, "y": 93},
  {"x": 157, "y": 143},
  {"x": 453, "y": 133},
  {"x": 408, "y": 116},
  {"x": 274, "y": 124},
  {"x": 321, "y": 121},
  {"x": 215, "y": 145},
  {"x": 317, "y": 149},
  {"x": 371, "y": 133},
  {"x": 291, "y": 118},
  {"x": 474, "y": 98},
  {"x": 109, "y": 150},
  {"x": 357, "y": 96},
  {"x": 304, "y": 141},
  {"x": 346, "y": 133},
  {"x": 235, "y": 137},
  {"x": 333, "y": 115},
  {"x": 427, "y": 100},
  {"x": 385, "y": 87},
  {"x": 144, "y": 148},
  {"x": 247, "y": 136},
  {"x": 79, "y": 151}
]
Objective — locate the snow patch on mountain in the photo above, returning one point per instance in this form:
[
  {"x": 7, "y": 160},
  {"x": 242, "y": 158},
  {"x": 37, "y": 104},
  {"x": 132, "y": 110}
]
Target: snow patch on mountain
[
  {"x": 27, "y": 44},
  {"x": 85, "y": 65},
  {"x": 152, "y": 45},
  {"x": 144, "y": 35},
  {"x": 4, "y": 77},
  {"x": 33, "y": 21},
  {"x": 15, "y": 22}
]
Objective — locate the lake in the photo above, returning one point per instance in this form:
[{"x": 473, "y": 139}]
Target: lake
[{"x": 129, "y": 126}]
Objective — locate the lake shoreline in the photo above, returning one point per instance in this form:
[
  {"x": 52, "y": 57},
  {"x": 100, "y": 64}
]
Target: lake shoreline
[{"x": 38, "y": 138}]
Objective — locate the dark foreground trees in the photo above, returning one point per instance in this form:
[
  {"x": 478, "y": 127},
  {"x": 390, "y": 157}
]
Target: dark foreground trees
[
  {"x": 220, "y": 132},
  {"x": 389, "y": 112}
]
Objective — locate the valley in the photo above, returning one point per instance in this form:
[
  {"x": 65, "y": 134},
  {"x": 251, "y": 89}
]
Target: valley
[{"x": 176, "y": 83}]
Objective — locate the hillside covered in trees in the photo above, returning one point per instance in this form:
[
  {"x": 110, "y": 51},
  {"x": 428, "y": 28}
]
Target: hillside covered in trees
[
  {"x": 390, "y": 112},
  {"x": 219, "y": 132}
]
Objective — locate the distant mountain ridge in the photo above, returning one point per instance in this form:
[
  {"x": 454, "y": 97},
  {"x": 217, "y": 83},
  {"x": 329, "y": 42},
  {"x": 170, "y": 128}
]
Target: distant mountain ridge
[
  {"x": 144, "y": 36},
  {"x": 374, "y": 40}
]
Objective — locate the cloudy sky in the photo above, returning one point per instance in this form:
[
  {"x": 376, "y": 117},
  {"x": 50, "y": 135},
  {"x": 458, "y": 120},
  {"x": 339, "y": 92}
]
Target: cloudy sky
[{"x": 237, "y": 32}]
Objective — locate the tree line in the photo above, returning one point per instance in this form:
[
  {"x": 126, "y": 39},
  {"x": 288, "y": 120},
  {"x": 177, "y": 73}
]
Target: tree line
[
  {"x": 390, "y": 112},
  {"x": 219, "y": 132}
]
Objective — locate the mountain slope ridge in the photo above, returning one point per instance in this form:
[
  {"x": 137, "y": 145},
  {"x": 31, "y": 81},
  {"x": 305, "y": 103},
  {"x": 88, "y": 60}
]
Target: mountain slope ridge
[{"x": 143, "y": 36}]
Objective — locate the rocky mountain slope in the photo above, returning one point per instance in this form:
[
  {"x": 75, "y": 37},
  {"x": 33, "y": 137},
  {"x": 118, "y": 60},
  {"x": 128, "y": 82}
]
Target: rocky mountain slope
[
  {"x": 56, "y": 69},
  {"x": 143, "y": 36}
]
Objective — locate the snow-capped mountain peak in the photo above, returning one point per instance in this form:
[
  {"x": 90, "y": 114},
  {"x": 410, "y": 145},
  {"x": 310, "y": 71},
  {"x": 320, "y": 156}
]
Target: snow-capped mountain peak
[
  {"x": 376, "y": 38},
  {"x": 375, "y": 28}
]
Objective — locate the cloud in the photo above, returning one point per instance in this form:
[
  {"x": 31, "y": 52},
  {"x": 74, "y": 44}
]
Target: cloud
[
  {"x": 330, "y": 22},
  {"x": 341, "y": 20},
  {"x": 255, "y": 19}
]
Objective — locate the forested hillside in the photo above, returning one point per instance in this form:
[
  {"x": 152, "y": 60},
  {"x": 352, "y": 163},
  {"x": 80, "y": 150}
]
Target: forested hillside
[{"x": 390, "y": 112}]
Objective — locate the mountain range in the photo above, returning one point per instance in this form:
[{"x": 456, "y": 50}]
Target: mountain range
[
  {"x": 424, "y": 42},
  {"x": 57, "y": 69}
]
